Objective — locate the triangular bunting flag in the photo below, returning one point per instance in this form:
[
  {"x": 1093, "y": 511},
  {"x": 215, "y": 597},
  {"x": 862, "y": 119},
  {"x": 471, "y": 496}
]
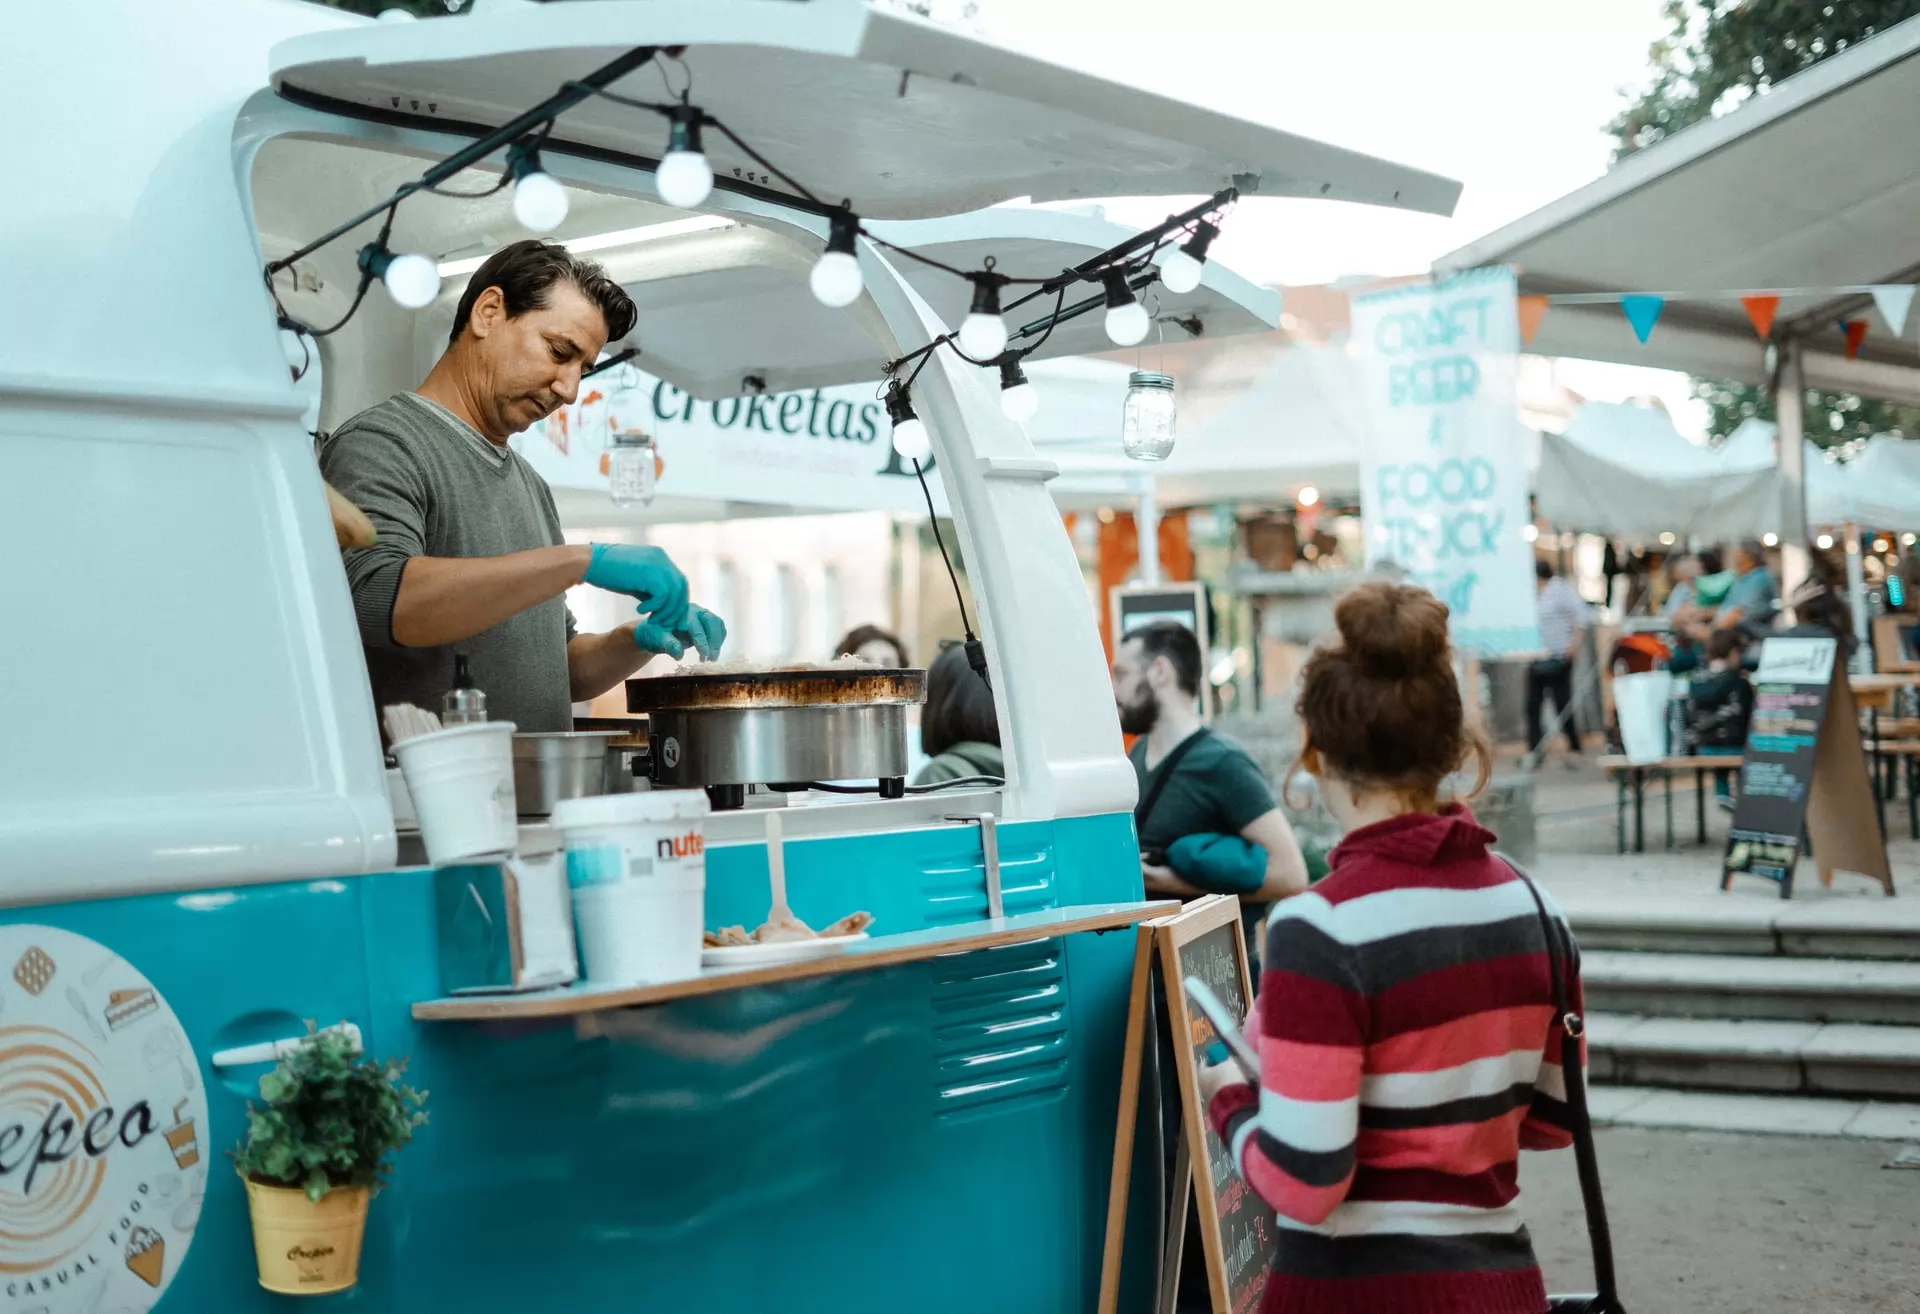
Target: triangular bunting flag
[
  {"x": 1532, "y": 311},
  {"x": 1760, "y": 308},
  {"x": 1856, "y": 331},
  {"x": 1642, "y": 312},
  {"x": 1894, "y": 300}
]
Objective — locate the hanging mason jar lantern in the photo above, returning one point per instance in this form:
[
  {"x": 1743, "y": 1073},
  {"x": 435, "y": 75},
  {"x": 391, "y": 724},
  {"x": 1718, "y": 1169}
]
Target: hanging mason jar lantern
[
  {"x": 632, "y": 469},
  {"x": 1146, "y": 426}
]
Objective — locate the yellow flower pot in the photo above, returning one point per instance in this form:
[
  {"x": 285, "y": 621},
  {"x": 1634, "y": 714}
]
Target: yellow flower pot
[{"x": 303, "y": 1248}]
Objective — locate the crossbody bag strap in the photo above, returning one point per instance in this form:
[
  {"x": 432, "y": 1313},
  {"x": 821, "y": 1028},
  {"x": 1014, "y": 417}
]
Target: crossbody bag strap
[
  {"x": 1157, "y": 786},
  {"x": 1573, "y": 1074}
]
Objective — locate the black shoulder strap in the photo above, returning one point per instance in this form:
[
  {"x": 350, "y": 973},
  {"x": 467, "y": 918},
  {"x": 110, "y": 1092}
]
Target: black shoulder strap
[
  {"x": 1157, "y": 784},
  {"x": 1572, "y": 1026}
]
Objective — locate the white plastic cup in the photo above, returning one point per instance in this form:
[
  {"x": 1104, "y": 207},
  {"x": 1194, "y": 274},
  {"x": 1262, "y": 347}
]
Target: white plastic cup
[
  {"x": 612, "y": 838},
  {"x": 1640, "y": 701},
  {"x": 641, "y": 932},
  {"x": 461, "y": 783}
]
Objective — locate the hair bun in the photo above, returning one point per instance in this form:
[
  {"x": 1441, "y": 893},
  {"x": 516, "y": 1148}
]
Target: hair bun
[{"x": 1393, "y": 630}]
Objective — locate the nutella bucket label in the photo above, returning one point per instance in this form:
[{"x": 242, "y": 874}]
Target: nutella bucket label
[{"x": 103, "y": 1121}]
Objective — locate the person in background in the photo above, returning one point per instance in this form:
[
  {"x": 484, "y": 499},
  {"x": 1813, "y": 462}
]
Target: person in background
[
  {"x": 1684, "y": 570},
  {"x": 959, "y": 730},
  {"x": 1678, "y": 609},
  {"x": 1207, "y": 821},
  {"x": 1819, "y": 612},
  {"x": 1563, "y": 618},
  {"x": 1405, "y": 1024},
  {"x": 870, "y": 643},
  {"x": 1754, "y": 599},
  {"x": 1719, "y": 707}
]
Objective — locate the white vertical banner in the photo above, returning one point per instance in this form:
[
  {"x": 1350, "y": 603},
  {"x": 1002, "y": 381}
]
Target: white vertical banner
[{"x": 1443, "y": 486}]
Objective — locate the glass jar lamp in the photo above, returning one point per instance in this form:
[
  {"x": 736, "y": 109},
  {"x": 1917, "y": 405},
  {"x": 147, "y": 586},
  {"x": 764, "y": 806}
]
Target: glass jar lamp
[
  {"x": 1146, "y": 424},
  {"x": 632, "y": 469}
]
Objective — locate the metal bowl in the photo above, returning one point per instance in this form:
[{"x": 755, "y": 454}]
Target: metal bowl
[{"x": 565, "y": 764}]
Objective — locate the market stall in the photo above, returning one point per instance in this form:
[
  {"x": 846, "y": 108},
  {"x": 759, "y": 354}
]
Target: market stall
[{"x": 927, "y": 1120}]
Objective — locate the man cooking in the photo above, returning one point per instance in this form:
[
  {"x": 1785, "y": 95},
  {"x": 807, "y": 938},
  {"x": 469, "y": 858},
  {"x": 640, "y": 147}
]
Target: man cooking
[{"x": 469, "y": 553}]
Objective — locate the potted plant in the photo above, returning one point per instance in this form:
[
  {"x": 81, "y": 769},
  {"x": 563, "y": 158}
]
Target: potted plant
[{"x": 315, "y": 1152}]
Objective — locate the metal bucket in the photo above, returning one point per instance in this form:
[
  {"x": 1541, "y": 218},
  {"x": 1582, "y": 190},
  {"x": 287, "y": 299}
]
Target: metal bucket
[{"x": 566, "y": 764}]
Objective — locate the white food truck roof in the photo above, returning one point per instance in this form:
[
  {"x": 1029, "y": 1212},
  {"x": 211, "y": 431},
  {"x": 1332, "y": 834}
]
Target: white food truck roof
[{"x": 947, "y": 122}]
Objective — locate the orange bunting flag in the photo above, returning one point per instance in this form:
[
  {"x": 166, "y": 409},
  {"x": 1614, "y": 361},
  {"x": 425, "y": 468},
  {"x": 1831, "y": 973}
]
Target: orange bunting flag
[
  {"x": 1760, "y": 310},
  {"x": 1532, "y": 311},
  {"x": 1856, "y": 331}
]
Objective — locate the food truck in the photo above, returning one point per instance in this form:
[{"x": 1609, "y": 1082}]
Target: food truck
[{"x": 198, "y": 846}]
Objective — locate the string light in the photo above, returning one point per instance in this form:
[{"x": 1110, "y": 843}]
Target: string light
[
  {"x": 836, "y": 279},
  {"x": 1019, "y": 399},
  {"x": 412, "y": 280},
  {"x": 1127, "y": 321},
  {"x": 909, "y": 432},
  {"x": 1182, "y": 269},
  {"x": 539, "y": 201},
  {"x": 684, "y": 178},
  {"x": 983, "y": 334}
]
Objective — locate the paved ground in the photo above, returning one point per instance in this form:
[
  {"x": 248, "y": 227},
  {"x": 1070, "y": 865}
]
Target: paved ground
[{"x": 1708, "y": 1223}]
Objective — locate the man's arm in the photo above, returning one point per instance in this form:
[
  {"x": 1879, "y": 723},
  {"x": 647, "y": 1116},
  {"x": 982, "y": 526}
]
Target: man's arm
[
  {"x": 597, "y": 662},
  {"x": 1286, "y": 865},
  {"x": 443, "y": 600}
]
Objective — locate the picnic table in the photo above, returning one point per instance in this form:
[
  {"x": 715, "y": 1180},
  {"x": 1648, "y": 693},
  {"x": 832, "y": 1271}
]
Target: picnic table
[{"x": 1631, "y": 777}]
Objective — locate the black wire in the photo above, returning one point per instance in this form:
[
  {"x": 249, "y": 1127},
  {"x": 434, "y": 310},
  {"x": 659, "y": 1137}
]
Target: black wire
[
  {"x": 794, "y": 787},
  {"x": 762, "y": 160},
  {"x": 933, "y": 518}
]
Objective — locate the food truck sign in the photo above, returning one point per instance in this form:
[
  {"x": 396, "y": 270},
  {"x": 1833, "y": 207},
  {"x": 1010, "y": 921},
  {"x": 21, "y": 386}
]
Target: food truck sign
[
  {"x": 102, "y": 1122},
  {"x": 1443, "y": 486}
]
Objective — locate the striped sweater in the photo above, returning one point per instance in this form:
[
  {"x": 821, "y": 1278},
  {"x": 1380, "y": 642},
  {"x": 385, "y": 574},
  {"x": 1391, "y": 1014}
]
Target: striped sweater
[{"x": 1408, "y": 1052}]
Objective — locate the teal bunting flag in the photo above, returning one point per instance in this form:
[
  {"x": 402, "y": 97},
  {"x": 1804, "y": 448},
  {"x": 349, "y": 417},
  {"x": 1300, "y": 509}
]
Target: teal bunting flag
[{"x": 1643, "y": 312}]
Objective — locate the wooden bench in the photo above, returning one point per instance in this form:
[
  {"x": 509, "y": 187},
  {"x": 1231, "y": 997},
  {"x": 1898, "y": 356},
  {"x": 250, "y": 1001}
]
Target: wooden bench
[{"x": 1631, "y": 776}]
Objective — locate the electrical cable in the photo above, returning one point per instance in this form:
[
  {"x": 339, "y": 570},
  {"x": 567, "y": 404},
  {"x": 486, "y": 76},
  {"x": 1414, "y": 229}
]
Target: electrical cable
[{"x": 799, "y": 786}]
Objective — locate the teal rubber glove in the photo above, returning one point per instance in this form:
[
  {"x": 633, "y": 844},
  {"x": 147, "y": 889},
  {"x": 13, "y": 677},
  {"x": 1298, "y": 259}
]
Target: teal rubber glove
[
  {"x": 1224, "y": 864},
  {"x": 705, "y": 632},
  {"x": 648, "y": 574}
]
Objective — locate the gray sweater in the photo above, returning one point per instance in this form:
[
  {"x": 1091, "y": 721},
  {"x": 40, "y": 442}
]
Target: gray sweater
[{"x": 433, "y": 486}]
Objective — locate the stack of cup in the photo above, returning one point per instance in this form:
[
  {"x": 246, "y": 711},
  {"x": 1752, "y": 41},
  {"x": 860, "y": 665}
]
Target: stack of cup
[
  {"x": 461, "y": 783},
  {"x": 637, "y": 868}
]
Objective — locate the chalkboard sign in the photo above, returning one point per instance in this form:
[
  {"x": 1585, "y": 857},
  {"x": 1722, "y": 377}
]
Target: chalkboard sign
[{"x": 1804, "y": 774}]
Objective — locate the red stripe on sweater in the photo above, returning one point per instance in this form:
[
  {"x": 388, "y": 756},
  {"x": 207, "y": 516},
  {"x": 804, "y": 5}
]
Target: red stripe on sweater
[
  {"x": 1361, "y": 879},
  {"x": 1309, "y": 1009},
  {"x": 1470, "y": 1147},
  {"x": 1461, "y": 1040},
  {"x": 1492, "y": 1188},
  {"x": 1286, "y": 1193},
  {"x": 1310, "y": 1072},
  {"x": 1427, "y": 1000}
]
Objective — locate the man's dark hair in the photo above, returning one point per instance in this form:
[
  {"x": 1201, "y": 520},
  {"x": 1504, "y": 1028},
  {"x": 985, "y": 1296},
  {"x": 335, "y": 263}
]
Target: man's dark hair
[
  {"x": 1711, "y": 562},
  {"x": 1724, "y": 643},
  {"x": 1175, "y": 642},
  {"x": 525, "y": 274},
  {"x": 1543, "y": 568},
  {"x": 959, "y": 705}
]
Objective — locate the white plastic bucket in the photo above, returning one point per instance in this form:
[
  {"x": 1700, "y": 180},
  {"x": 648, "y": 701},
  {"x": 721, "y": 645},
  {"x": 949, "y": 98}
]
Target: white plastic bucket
[
  {"x": 641, "y": 932},
  {"x": 613, "y": 838},
  {"x": 1640, "y": 701},
  {"x": 461, "y": 783}
]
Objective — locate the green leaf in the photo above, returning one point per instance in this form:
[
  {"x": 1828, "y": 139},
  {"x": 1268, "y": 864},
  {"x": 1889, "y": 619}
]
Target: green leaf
[{"x": 331, "y": 1118}]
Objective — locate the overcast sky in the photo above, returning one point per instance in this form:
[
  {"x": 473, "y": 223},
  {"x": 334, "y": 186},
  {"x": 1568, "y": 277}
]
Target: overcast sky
[{"x": 1510, "y": 97}]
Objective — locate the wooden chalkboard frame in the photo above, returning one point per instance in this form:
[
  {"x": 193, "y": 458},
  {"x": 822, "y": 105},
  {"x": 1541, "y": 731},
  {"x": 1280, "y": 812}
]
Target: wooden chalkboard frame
[{"x": 1157, "y": 946}]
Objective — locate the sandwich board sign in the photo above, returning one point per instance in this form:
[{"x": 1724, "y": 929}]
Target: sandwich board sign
[{"x": 1804, "y": 778}]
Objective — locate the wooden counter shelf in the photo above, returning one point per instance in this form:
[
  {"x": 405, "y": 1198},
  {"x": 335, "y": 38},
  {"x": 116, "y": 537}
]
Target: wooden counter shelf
[{"x": 865, "y": 956}]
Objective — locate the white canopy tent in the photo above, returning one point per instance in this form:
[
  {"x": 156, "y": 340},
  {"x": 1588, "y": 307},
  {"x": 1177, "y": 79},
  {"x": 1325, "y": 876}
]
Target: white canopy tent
[
  {"x": 1624, "y": 470},
  {"x": 1806, "y": 186}
]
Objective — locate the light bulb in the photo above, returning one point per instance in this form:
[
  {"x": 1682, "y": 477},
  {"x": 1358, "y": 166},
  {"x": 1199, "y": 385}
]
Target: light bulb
[
  {"x": 539, "y": 202},
  {"x": 1127, "y": 325},
  {"x": 911, "y": 441},
  {"x": 1019, "y": 399},
  {"x": 412, "y": 280},
  {"x": 983, "y": 336},
  {"x": 684, "y": 179},
  {"x": 836, "y": 279},
  {"x": 1181, "y": 273}
]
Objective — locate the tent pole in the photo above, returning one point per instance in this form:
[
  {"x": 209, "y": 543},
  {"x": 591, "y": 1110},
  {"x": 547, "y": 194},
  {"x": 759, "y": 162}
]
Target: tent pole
[
  {"x": 1789, "y": 391},
  {"x": 1146, "y": 521},
  {"x": 1857, "y": 590}
]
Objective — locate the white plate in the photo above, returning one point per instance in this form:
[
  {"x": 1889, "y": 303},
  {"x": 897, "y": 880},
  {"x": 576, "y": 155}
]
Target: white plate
[{"x": 781, "y": 951}]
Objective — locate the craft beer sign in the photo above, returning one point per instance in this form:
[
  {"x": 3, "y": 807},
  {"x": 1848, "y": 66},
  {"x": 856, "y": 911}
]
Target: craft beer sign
[
  {"x": 103, "y": 1120},
  {"x": 1443, "y": 483}
]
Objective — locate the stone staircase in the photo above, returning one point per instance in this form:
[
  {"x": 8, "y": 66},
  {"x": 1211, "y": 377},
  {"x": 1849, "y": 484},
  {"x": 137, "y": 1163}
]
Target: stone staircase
[{"x": 1811, "y": 999}]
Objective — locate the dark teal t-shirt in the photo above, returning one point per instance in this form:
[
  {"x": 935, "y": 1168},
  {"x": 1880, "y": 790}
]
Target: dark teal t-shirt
[{"x": 1215, "y": 789}]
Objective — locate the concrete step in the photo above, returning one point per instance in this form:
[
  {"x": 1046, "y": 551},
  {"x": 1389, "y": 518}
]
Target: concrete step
[
  {"x": 1746, "y": 986},
  {"x": 1831, "y": 1058},
  {"x": 1711, "y": 923},
  {"x": 1774, "y": 1115}
]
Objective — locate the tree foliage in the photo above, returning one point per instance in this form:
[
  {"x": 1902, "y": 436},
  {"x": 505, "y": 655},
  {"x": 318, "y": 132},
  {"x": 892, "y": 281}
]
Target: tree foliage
[{"x": 1714, "y": 56}]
